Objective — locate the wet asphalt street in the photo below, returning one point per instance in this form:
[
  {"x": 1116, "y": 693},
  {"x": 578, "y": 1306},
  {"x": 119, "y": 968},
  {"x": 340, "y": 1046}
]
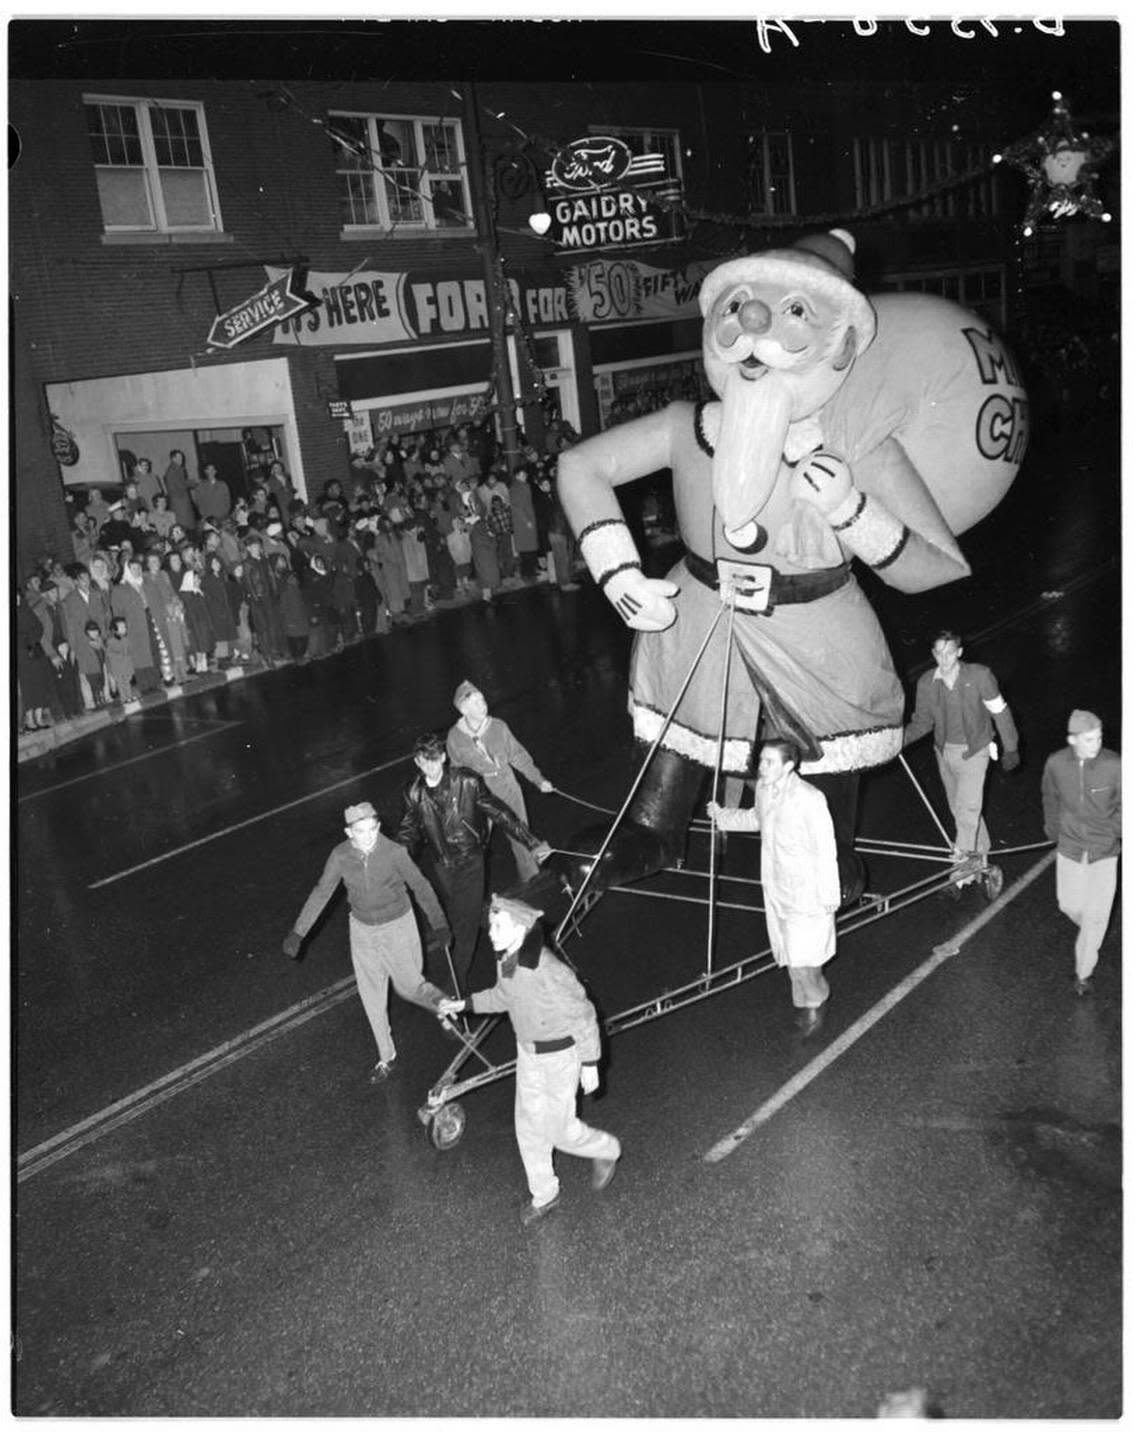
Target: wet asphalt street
[{"x": 216, "y": 1214}]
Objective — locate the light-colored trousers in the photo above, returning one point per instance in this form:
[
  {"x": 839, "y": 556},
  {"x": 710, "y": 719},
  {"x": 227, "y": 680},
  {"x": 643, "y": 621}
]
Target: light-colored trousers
[
  {"x": 507, "y": 788},
  {"x": 546, "y": 1092},
  {"x": 964, "y": 781},
  {"x": 388, "y": 954},
  {"x": 1085, "y": 892},
  {"x": 802, "y": 944}
]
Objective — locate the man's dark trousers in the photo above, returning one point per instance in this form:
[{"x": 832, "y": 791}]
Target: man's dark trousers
[{"x": 461, "y": 886}]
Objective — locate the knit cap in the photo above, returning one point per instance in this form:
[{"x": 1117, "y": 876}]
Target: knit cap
[
  {"x": 1082, "y": 721},
  {"x": 462, "y": 692}
]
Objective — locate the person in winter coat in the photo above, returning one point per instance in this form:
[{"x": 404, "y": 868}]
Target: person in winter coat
[
  {"x": 486, "y": 745},
  {"x": 120, "y": 667},
  {"x": 383, "y": 939},
  {"x": 211, "y": 497},
  {"x": 416, "y": 563},
  {"x": 159, "y": 596},
  {"x": 179, "y": 486},
  {"x": 85, "y": 603},
  {"x": 451, "y": 811},
  {"x": 524, "y": 525},
  {"x": 1080, "y": 798},
  {"x": 296, "y": 619},
  {"x": 559, "y": 1045},
  {"x": 35, "y": 659},
  {"x": 484, "y": 557},
  {"x": 261, "y": 593},
  {"x": 961, "y": 702},
  {"x": 219, "y": 604},
  {"x": 394, "y": 585},
  {"x": 459, "y": 546},
  {"x": 799, "y": 873},
  {"x": 128, "y": 600}
]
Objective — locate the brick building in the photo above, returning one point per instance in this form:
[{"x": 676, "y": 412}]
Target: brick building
[{"x": 143, "y": 209}]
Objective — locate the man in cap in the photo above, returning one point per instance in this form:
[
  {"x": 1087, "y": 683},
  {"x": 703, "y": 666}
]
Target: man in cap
[
  {"x": 1080, "y": 797},
  {"x": 960, "y": 701},
  {"x": 559, "y": 1046},
  {"x": 486, "y": 745},
  {"x": 449, "y": 809},
  {"x": 382, "y": 934}
]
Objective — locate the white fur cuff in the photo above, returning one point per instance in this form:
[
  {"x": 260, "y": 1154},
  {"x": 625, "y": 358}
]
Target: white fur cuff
[
  {"x": 868, "y": 530},
  {"x": 608, "y": 547}
]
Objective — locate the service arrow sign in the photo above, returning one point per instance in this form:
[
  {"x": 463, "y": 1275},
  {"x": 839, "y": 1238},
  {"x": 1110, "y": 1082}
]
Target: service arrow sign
[{"x": 270, "y": 305}]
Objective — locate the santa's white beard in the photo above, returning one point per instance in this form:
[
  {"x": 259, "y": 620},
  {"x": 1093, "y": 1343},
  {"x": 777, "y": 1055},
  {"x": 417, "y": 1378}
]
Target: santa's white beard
[{"x": 754, "y": 420}]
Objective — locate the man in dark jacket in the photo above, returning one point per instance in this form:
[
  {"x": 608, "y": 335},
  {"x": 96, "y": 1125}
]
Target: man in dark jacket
[
  {"x": 449, "y": 809},
  {"x": 1080, "y": 798},
  {"x": 961, "y": 702},
  {"x": 382, "y": 933}
]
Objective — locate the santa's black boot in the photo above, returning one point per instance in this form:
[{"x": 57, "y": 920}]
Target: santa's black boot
[
  {"x": 842, "y": 791},
  {"x": 651, "y": 834}
]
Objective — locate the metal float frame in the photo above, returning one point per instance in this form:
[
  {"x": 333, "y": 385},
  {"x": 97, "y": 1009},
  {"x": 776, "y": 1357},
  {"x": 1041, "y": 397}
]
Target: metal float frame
[{"x": 445, "y": 1119}]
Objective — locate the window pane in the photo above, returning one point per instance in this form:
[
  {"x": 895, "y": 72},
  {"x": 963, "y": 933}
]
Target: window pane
[
  {"x": 353, "y": 154},
  {"x": 358, "y": 201},
  {"x": 123, "y": 198},
  {"x": 175, "y": 134},
  {"x": 441, "y": 148},
  {"x": 401, "y": 188},
  {"x": 397, "y": 141},
  {"x": 114, "y": 133},
  {"x": 186, "y": 199},
  {"x": 447, "y": 203}
]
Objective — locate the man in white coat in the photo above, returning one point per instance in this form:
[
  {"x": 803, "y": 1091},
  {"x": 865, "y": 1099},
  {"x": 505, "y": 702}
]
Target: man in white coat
[{"x": 798, "y": 870}]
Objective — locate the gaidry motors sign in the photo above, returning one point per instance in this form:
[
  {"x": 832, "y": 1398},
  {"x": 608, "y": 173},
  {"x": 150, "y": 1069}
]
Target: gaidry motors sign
[{"x": 603, "y": 196}]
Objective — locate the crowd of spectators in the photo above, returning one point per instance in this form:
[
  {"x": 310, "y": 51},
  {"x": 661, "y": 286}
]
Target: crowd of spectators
[{"x": 176, "y": 576}]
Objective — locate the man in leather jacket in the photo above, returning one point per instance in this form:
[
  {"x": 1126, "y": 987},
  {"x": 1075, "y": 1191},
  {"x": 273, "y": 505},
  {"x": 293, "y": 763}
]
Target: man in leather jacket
[{"x": 450, "y": 810}]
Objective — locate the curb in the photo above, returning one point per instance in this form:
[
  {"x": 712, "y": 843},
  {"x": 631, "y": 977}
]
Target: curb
[{"x": 32, "y": 744}]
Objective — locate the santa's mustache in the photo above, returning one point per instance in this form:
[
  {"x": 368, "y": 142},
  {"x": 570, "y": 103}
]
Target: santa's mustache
[{"x": 769, "y": 352}]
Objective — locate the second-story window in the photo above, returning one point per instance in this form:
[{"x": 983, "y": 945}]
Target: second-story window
[
  {"x": 666, "y": 142},
  {"x": 771, "y": 173},
  {"x": 893, "y": 169},
  {"x": 400, "y": 172},
  {"x": 152, "y": 165}
]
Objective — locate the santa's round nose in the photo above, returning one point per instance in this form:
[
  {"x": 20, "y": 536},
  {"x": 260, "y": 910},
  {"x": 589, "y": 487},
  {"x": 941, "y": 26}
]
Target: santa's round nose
[{"x": 755, "y": 317}]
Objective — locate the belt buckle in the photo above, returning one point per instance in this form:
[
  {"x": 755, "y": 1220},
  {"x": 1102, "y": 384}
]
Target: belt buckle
[{"x": 748, "y": 585}]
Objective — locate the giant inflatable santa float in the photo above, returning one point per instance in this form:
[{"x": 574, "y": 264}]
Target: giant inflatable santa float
[{"x": 847, "y": 427}]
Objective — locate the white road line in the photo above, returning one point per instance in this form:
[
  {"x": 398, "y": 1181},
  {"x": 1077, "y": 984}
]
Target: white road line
[
  {"x": 124, "y": 1110},
  {"x": 241, "y": 825},
  {"x": 130, "y": 761},
  {"x": 812, "y": 1071}
]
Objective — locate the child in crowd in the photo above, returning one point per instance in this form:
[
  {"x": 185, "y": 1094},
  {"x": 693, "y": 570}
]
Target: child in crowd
[
  {"x": 459, "y": 545},
  {"x": 119, "y": 664},
  {"x": 99, "y": 679}
]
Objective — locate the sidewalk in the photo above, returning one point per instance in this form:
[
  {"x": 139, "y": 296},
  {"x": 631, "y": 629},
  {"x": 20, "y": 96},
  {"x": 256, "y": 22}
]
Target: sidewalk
[{"x": 32, "y": 744}]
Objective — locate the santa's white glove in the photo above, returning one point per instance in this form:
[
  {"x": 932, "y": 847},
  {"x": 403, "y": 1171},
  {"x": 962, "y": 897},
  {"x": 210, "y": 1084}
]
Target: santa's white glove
[
  {"x": 447, "y": 1008},
  {"x": 589, "y": 1079},
  {"x": 643, "y": 603},
  {"x": 824, "y": 480}
]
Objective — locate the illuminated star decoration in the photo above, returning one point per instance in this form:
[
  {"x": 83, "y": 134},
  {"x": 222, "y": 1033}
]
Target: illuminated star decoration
[{"x": 1061, "y": 163}]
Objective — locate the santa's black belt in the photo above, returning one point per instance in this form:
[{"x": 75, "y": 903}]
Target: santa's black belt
[{"x": 786, "y": 588}]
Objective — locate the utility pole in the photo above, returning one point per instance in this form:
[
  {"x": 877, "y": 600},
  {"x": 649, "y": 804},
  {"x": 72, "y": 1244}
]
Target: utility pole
[{"x": 487, "y": 242}]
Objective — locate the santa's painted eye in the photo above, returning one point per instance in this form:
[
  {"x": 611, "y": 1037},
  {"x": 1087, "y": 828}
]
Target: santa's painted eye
[
  {"x": 797, "y": 309},
  {"x": 732, "y": 306}
]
